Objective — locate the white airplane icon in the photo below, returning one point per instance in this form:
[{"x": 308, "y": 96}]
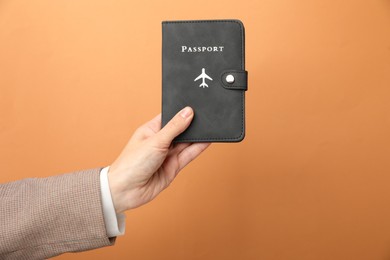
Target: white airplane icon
[{"x": 203, "y": 76}]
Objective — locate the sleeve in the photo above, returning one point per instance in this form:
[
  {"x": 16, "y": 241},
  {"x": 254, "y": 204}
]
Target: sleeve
[
  {"x": 115, "y": 223},
  {"x": 45, "y": 217}
]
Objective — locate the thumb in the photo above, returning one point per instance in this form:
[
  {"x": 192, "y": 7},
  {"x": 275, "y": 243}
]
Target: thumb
[{"x": 175, "y": 126}]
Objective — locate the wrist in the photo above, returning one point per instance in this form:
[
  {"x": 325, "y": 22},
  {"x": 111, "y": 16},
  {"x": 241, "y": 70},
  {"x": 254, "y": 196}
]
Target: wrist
[{"x": 117, "y": 192}]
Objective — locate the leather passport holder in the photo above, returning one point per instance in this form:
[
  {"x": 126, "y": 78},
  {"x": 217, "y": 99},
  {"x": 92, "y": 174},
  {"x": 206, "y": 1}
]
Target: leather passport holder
[{"x": 203, "y": 66}]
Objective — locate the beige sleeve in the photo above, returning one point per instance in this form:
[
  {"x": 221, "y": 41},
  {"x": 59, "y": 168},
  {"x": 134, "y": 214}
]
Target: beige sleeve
[{"x": 45, "y": 217}]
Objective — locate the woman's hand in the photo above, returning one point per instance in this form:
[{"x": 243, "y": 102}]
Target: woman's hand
[{"x": 149, "y": 162}]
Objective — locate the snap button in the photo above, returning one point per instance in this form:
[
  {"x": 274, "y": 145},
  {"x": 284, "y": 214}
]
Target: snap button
[{"x": 230, "y": 78}]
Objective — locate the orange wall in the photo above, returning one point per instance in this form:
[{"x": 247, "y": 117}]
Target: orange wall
[{"x": 310, "y": 181}]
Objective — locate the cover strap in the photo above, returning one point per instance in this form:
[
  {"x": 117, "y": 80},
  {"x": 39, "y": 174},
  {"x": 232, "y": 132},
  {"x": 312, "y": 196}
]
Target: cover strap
[{"x": 235, "y": 79}]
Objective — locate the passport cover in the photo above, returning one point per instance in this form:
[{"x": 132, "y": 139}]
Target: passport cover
[{"x": 203, "y": 66}]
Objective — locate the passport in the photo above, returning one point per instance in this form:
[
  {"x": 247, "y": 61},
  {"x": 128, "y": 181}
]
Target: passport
[{"x": 203, "y": 66}]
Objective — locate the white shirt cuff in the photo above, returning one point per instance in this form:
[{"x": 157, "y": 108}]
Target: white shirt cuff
[{"x": 115, "y": 223}]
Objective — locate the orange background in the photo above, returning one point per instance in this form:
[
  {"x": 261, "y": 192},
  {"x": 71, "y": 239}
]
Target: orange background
[{"x": 310, "y": 181}]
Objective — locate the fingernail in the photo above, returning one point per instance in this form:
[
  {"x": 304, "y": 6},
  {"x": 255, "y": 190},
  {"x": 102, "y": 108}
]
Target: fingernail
[{"x": 186, "y": 112}]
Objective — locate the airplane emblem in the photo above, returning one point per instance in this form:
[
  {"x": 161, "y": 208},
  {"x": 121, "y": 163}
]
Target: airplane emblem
[{"x": 203, "y": 76}]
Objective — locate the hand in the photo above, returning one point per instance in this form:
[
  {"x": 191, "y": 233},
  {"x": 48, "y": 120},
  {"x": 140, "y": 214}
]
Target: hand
[{"x": 149, "y": 162}]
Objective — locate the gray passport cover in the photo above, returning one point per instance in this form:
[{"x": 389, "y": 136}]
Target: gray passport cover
[{"x": 203, "y": 66}]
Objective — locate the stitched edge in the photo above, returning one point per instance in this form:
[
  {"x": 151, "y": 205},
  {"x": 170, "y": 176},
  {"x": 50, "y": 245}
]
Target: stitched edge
[{"x": 242, "y": 135}]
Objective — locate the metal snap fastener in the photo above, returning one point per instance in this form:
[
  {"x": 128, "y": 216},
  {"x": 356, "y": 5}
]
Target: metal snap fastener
[{"x": 230, "y": 78}]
